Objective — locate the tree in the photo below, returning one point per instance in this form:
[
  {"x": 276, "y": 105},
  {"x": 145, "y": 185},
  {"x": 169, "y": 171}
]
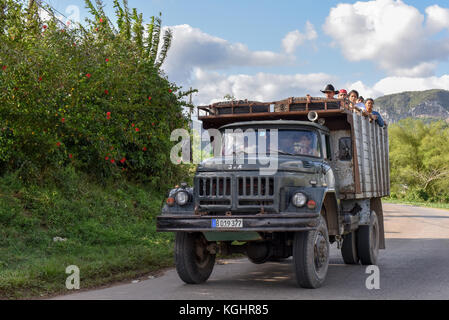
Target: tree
[
  {"x": 88, "y": 96},
  {"x": 419, "y": 157}
]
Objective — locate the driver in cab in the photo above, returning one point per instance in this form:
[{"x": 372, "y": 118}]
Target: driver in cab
[{"x": 299, "y": 144}]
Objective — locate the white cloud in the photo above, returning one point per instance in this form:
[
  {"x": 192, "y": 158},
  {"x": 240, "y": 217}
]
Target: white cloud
[
  {"x": 192, "y": 48},
  {"x": 390, "y": 85},
  {"x": 364, "y": 90},
  {"x": 390, "y": 33},
  {"x": 295, "y": 38},
  {"x": 261, "y": 86},
  {"x": 423, "y": 69},
  {"x": 437, "y": 18}
]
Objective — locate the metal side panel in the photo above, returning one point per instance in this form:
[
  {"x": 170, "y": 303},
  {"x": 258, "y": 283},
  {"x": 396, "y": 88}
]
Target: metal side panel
[
  {"x": 380, "y": 157},
  {"x": 373, "y": 158},
  {"x": 357, "y": 142},
  {"x": 382, "y": 160},
  {"x": 387, "y": 160},
  {"x": 367, "y": 170},
  {"x": 344, "y": 170},
  {"x": 378, "y": 151}
]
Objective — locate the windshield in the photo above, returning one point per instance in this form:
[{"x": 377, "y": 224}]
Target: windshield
[{"x": 270, "y": 141}]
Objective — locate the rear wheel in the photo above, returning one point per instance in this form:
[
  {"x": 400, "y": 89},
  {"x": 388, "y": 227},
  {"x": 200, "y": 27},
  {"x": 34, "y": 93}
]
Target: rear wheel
[
  {"x": 349, "y": 248},
  {"x": 311, "y": 256},
  {"x": 368, "y": 241},
  {"x": 194, "y": 263}
]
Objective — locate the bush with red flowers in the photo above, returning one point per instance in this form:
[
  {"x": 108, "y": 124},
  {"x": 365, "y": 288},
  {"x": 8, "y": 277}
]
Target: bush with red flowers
[{"x": 78, "y": 97}]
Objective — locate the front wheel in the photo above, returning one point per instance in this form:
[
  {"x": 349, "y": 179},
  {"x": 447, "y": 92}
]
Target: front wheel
[
  {"x": 194, "y": 263},
  {"x": 311, "y": 256}
]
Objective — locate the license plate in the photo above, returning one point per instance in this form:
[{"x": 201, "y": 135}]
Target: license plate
[{"x": 227, "y": 223}]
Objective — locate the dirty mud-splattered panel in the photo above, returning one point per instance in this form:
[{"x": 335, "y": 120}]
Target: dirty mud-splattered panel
[{"x": 343, "y": 169}]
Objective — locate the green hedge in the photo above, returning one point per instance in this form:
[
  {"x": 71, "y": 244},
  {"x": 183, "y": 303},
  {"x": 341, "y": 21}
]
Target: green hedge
[{"x": 91, "y": 96}]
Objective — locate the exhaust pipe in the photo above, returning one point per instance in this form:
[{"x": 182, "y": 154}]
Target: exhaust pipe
[{"x": 312, "y": 116}]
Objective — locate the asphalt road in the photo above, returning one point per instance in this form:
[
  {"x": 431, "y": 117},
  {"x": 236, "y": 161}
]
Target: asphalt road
[{"x": 415, "y": 265}]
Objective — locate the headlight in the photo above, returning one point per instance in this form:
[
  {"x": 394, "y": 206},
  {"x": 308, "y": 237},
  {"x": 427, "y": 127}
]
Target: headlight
[
  {"x": 299, "y": 199},
  {"x": 182, "y": 198}
]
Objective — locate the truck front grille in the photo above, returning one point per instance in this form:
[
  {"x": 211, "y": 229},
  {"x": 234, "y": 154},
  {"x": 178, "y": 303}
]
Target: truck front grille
[
  {"x": 243, "y": 195},
  {"x": 255, "y": 186},
  {"x": 214, "y": 186}
]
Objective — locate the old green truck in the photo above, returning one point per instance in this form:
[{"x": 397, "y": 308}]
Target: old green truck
[{"x": 290, "y": 178}]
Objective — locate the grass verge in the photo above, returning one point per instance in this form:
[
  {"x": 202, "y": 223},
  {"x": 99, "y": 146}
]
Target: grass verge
[
  {"x": 438, "y": 205},
  {"x": 109, "y": 232}
]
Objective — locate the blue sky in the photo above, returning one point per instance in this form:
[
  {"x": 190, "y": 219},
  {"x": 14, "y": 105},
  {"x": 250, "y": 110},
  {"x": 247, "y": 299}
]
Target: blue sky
[{"x": 392, "y": 58}]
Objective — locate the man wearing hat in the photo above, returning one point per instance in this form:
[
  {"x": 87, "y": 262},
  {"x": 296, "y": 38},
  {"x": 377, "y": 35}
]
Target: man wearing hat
[
  {"x": 342, "y": 94},
  {"x": 329, "y": 91}
]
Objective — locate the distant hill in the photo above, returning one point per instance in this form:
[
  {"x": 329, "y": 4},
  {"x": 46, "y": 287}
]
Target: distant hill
[{"x": 433, "y": 104}]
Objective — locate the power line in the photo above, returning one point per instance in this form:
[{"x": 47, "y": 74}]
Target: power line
[{"x": 38, "y": 3}]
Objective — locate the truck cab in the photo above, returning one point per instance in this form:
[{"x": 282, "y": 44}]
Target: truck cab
[{"x": 288, "y": 178}]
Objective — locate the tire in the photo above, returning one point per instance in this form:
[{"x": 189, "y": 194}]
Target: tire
[
  {"x": 311, "y": 256},
  {"x": 194, "y": 263},
  {"x": 349, "y": 249},
  {"x": 368, "y": 241}
]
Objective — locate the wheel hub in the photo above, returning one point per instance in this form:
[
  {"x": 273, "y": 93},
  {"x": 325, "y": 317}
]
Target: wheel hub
[
  {"x": 201, "y": 252},
  {"x": 320, "y": 251}
]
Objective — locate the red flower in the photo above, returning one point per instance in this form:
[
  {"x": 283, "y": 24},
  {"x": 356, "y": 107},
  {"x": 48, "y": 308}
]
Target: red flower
[
  {"x": 123, "y": 160},
  {"x": 149, "y": 98},
  {"x": 44, "y": 26},
  {"x": 96, "y": 29},
  {"x": 70, "y": 156},
  {"x": 108, "y": 115},
  {"x": 101, "y": 20},
  {"x": 144, "y": 148},
  {"x": 88, "y": 75},
  {"x": 58, "y": 144},
  {"x": 106, "y": 158},
  {"x": 40, "y": 78},
  {"x": 107, "y": 60},
  {"x": 132, "y": 125},
  {"x": 152, "y": 124},
  {"x": 4, "y": 68},
  {"x": 63, "y": 120},
  {"x": 137, "y": 129},
  {"x": 169, "y": 90},
  {"x": 106, "y": 91},
  {"x": 112, "y": 161}
]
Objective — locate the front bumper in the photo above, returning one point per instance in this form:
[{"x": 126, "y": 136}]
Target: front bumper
[{"x": 258, "y": 223}]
